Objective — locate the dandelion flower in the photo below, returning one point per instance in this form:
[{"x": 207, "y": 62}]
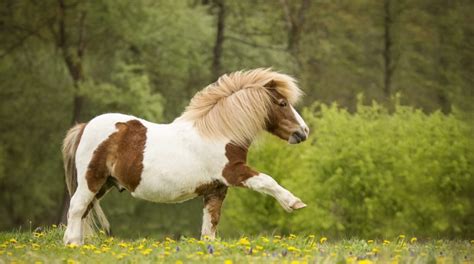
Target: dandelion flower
[
  {"x": 323, "y": 239},
  {"x": 244, "y": 241}
]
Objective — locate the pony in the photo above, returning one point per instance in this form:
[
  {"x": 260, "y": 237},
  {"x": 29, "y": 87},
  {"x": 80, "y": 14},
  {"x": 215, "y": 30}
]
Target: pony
[{"x": 201, "y": 153}]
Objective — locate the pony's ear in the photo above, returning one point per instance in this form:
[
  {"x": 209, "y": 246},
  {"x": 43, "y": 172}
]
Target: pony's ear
[{"x": 270, "y": 85}]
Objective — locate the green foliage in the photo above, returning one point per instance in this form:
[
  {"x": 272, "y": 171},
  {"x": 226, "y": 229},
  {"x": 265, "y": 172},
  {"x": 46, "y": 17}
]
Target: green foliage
[{"x": 370, "y": 173}]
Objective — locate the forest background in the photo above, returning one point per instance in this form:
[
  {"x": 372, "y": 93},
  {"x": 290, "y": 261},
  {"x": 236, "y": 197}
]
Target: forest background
[{"x": 388, "y": 97}]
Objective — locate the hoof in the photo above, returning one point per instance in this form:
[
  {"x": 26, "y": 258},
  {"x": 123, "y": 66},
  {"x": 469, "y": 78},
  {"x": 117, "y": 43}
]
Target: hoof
[
  {"x": 298, "y": 205},
  {"x": 72, "y": 241}
]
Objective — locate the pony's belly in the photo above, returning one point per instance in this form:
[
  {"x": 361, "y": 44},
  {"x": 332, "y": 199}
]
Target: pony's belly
[
  {"x": 168, "y": 188},
  {"x": 163, "y": 196}
]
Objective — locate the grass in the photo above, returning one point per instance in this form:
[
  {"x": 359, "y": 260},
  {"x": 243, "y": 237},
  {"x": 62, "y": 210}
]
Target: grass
[{"x": 46, "y": 247}]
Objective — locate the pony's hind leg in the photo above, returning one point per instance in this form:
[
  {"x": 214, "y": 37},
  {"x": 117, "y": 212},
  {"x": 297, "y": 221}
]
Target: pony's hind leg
[
  {"x": 78, "y": 207},
  {"x": 213, "y": 199}
]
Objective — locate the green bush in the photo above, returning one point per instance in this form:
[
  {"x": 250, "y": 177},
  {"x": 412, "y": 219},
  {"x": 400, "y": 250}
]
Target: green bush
[{"x": 370, "y": 173}]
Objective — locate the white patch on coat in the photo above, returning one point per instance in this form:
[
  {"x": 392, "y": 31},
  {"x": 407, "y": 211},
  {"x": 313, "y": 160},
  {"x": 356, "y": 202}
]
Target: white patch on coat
[
  {"x": 267, "y": 185},
  {"x": 207, "y": 231}
]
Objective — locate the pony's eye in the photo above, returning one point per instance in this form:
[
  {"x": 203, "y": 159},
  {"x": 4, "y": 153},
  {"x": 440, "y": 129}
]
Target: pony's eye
[{"x": 283, "y": 103}]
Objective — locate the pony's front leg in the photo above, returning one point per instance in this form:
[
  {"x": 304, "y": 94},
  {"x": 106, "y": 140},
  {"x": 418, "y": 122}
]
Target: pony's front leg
[
  {"x": 213, "y": 200},
  {"x": 266, "y": 184}
]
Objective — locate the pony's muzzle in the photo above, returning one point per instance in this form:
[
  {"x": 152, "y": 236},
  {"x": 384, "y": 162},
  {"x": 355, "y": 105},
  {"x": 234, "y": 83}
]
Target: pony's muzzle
[{"x": 299, "y": 136}]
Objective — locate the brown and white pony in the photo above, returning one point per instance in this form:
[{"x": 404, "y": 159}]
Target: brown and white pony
[{"x": 201, "y": 153}]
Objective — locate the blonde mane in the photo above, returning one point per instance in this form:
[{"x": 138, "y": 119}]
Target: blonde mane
[{"x": 236, "y": 106}]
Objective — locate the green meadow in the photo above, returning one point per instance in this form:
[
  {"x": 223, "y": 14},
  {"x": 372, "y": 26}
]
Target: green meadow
[{"x": 47, "y": 247}]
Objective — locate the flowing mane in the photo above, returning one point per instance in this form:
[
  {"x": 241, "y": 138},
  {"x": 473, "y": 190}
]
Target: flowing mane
[{"x": 236, "y": 106}]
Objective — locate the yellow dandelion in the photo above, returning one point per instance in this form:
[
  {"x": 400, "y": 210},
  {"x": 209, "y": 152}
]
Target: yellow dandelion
[
  {"x": 295, "y": 262},
  {"x": 38, "y": 235},
  {"x": 323, "y": 239},
  {"x": 375, "y": 250},
  {"x": 292, "y": 236},
  {"x": 370, "y": 241},
  {"x": 141, "y": 246},
  {"x": 102, "y": 232},
  {"x": 146, "y": 252},
  {"x": 364, "y": 261},
  {"x": 244, "y": 241},
  {"x": 265, "y": 240},
  {"x": 293, "y": 249},
  {"x": 71, "y": 261},
  {"x": 105, "y": 249},
  {"x": 258, "y": 247},
  {"x": 228, "y": 261},
  {"x": 123, "y": 244},
  {"x": 72, "y": 245},
  {"x": 179, "y": 262},
  {"x": 413, "y": 240},
  {"x": 351, "y": 259},
  {"x": 12, "y": 240},
  {"x": 97, "y": 252},
  {"x": 54, "y": 226},
  {"x": 386, "y": 242},
  {"x": 167, "y": 253},
  {"x": 200, "y": 253},
  {"x": 401, "y": 236},
  {"x": 170, "y": 240}
]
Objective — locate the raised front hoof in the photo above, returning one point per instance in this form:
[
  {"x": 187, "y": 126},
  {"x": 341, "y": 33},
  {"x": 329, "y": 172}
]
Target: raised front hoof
[
  {"x": 295, "y": 205},
  {"x": 298, "y": 205}
]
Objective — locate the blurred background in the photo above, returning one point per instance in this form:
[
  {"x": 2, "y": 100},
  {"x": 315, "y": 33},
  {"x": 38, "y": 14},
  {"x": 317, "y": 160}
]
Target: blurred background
[{"x": 389, "y": 100}]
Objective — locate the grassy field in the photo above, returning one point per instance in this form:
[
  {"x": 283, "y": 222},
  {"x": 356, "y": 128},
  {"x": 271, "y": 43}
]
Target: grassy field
[{"x": 46, "y": 247}]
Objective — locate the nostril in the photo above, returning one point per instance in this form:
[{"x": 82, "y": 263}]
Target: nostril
[{"x": 301, "y": 135}]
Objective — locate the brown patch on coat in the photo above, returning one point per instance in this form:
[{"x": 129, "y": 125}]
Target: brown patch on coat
[
  {"x": 281, "y": 120},
  {"x": 119, "y": 156},
  {"x": 214, "y": 194},
  {"x": 236, "y": 170}
]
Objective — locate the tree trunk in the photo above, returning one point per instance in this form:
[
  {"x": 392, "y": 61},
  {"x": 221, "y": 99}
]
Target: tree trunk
[
  {"x": 387, "y": 52},
  {"x": 294, "y": 23},
  {"x": 72, "y": 55},
  {"x": 217, "y": 51}
]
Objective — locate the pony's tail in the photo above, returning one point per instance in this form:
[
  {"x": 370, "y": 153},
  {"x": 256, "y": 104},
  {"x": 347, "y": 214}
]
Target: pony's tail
[{"x": 95, "y": 218}]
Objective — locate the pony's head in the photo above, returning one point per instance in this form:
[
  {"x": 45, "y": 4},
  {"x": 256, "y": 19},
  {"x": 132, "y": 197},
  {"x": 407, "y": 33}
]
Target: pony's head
[
  {"x": 241, "y": 104},
  {"x": 283, "y": 120}
]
